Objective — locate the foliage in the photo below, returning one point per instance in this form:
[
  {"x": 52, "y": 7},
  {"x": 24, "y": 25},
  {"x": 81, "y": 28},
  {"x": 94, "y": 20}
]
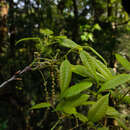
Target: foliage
[
  {"x": 124, "y": 62},
  {"x": 87, "y": 32},
  {"x": 68, "y": 80},
  {"x": 97, "y": 78}
]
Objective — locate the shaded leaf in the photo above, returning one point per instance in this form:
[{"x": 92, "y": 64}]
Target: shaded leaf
[
  {"x": 103, "y": 128},
  {"x": 121, "y": 123},
  {"x": 72, "y": 102}
]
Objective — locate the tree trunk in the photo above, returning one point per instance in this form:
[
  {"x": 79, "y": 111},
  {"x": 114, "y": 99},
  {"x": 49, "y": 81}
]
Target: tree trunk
[
  {"x": 76, "y": 26},
  {"x": 3, "y": 21}
]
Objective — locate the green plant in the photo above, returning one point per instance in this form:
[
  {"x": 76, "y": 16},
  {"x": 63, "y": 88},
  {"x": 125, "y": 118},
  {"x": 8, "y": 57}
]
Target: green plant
[
  {"x": 87, "y": 32},
  {"x": 97, "y": 79}
]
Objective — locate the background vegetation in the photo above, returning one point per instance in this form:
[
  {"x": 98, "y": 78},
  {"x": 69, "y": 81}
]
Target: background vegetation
[{"x": 37, "y": 54}]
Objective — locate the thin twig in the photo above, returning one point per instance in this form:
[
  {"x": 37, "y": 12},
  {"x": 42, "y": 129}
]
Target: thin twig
[{"x": 15, "y": 76}]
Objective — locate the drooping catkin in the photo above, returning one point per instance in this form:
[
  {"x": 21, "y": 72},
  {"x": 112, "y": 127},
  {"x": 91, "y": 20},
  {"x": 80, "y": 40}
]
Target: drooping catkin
[
  {"x": 53, "y": 84},
  {"x": 45, "y": 87},
  {"x": 46, "y": 92}
]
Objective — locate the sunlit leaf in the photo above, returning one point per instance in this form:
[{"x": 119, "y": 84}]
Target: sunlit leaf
[
  {"x": 88, "y": 62},
  {"x": 124, "y": 62},
  {"x": 41, "y": 105},
  {"x": 126, "y": 99},
  {"x": 60, "y": 37},
  {"x": 76, "y": 89},
  {"x": 46, "y": 31},
  {"x": 84, "y": 38},
  {"x": 81, "y": 70},
  {"x": 65, "y": 75},
  {"x": 102, "y": 69},
  {"x": 28, "y": 39},
  {"x": 97, "y": 27},
  {"x": 111, "y": 111},
  {"x": 98, "y": 110},
  {"x": 68, "y": 43},
  {"x": 90, "y": 36},
  {"x": 69, "y": 110},
  {"x": 96, "y": 53},
  {"x": 88, "y": 103},
  {"x": 81, "y": 117},
  {"x": 115, "y": 81}
]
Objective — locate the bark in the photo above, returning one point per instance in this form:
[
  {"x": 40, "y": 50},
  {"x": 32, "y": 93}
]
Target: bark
[
  {"x": 109, "y": 9},
  {"x": 76, "y": 26},
  {"x": 3, "y": 22}
]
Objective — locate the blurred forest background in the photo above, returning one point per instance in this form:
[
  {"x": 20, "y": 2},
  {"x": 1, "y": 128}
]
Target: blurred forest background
[{"x": 101, "y": 24}]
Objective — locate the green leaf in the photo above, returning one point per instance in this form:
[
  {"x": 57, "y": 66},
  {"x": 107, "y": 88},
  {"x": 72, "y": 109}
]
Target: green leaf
[
  {"x": 96, "y": 53},
  {"x": 97, "y": 27},
  {"x": 60, "y": 37},
  {"x": 126, "y": 99},
  {"x": 84, "y": 38},
  {"x": 121, "y": 97},
  {"x": 68, "y": 43},
  {"x": 65, "y": 75},
  {"x": 88, "y": 62},
  {"x": 81, "y": 117},
  {"x": 90, "y": 36},
  {"x": 115, "y": 81},
  {"x": 41, "y": 105},
  {"x": 69, "y": 110},
  {"x": 29, "y": 38},
  {"x": 98, "y": 110},
  {"x": 46, "y": 32},
  {"x": 123, "y": 61},
  {"x": 100, "y": 77},
  {"x": 121, "y": 123},
  {"x": 71, "y": 102},
  {"x": 88, "y": 103},
  {"x": 82, "y": 71},
  {"x": 76, "y": 89},
  {"x": 103, "y": 128},
  {"x": 111, "y": 111},
  {"x": 102, "y": 69}
]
